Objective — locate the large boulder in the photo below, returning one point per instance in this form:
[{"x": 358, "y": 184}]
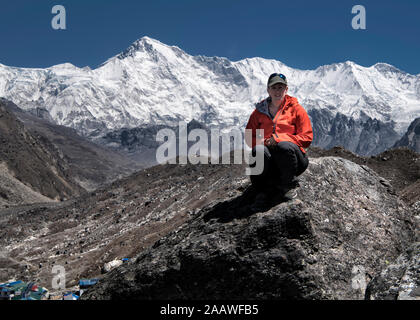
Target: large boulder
[{"x": 344, "y": 227}]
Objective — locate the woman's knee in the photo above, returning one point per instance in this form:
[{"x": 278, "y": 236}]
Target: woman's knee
[
  {"x": 260, "y": 148},
  {"x": 287, "y": 146},
  {"x": 303, "y": 164}
]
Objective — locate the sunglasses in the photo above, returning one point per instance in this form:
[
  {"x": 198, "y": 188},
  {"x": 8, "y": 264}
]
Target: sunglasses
[{"x": 281, "y": 75}]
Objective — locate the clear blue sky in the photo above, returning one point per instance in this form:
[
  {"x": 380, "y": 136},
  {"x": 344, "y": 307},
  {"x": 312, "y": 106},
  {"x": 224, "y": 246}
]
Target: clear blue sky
[{"x": 301, "y": 34}]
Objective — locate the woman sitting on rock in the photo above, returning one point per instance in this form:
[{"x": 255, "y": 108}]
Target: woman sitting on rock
[{"x": 287, "y": 132}]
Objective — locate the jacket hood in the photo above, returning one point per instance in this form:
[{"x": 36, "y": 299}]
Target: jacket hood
[{"x": 262, "y": 106}]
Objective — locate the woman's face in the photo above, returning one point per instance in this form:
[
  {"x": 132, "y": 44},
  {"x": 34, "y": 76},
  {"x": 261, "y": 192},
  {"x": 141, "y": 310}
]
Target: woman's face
[{"x": 277, "y": 92}]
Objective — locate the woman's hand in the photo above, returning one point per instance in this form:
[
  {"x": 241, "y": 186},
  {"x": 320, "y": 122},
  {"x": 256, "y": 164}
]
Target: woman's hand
[{"x": 270, "y": 142}]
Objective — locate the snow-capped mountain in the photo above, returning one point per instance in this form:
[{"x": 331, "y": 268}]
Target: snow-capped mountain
[{"x": 151, "y": 83}]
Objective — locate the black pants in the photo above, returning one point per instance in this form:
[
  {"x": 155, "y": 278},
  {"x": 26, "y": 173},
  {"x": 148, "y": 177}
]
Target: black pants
[{"x": 282, "y": 164}]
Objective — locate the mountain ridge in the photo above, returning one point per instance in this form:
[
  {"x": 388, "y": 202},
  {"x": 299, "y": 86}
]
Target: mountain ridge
[{"x": 128, "y": 90}]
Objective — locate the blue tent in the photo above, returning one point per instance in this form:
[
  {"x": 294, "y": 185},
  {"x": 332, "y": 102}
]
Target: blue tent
[
  {"x": 87, "y": 282},
  {"x": 72, "y": 295}
]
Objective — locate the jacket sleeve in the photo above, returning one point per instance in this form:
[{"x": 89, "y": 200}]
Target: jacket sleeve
[
  {"x": 304, "y": 134},
  {"x": 251, "y": 127}
]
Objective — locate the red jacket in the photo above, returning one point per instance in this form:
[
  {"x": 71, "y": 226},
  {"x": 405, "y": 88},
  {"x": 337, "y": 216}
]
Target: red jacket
[{"x": 291, "y": 123}]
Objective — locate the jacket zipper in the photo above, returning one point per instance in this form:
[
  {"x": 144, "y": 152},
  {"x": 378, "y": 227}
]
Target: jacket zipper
[{"x": 277, "y": 116}]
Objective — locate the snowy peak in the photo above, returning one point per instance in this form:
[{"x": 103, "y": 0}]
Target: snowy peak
[
  {"x": 63, "y": 66},
  {"x": 149, "y": 46},
  {"x": 142, "y": 44}
]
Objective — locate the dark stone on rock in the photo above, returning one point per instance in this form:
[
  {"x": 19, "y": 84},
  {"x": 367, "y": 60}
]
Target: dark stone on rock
[
  {"x": 400, "y": 280},
  {"x": 326, "y": 244}
]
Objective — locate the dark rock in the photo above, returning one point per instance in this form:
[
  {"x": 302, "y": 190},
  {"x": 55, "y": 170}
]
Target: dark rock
[
  {"x": 400, "y": 280},
  {"x": 327, "y": 244}
]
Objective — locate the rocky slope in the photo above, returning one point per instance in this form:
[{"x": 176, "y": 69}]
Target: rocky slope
[
  {"x": 42, "y": 161},
  {"x": 91, "y": 165},
  {"x": 327, "y": 244},
  {"x": 113, "y": 222},
  {"x": 13, "y": 191},
  {"x": 27, "y": 162}
]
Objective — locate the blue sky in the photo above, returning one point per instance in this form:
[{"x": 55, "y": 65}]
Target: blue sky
[{"x": 301, "y": 34}]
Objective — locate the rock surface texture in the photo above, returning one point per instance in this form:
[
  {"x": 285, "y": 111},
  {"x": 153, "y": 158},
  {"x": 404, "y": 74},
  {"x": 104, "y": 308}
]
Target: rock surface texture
[
  {"x": 341, "y": 231},
  {"x": 400, "y": 280}
]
